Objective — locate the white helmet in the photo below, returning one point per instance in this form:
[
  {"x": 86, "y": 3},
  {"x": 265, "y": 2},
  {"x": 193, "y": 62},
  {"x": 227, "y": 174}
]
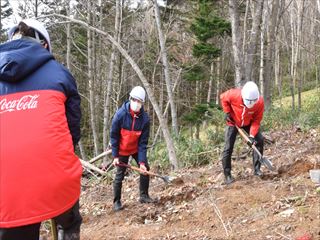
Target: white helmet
[
  {"x": 250, "y": 94},
  {"x": 138, "y": 93},
  {"x": 37, "y": 26}
]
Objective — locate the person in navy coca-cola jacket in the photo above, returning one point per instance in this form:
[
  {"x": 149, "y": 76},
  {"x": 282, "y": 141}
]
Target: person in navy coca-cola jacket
[
  {"x": 129, "y": 137},
  {"x": 39, "y": 127}
]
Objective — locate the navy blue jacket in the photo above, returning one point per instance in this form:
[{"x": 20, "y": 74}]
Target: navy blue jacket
[{"x": 129, "y": 135}]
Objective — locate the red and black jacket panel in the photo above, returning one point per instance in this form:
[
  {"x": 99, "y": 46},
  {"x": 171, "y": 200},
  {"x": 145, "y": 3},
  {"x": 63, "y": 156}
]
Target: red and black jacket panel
[
  {"x": 129, "y": 134},
  {"x": 39, "y": 124},
  {"x": 232, "y": 103}
]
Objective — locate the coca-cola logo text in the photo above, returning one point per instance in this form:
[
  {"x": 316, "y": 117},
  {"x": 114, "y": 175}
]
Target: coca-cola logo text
[{"x": 24, "y": 103}]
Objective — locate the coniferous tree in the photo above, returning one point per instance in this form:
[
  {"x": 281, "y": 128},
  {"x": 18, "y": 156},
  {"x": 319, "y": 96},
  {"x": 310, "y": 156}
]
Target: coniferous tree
[
  {"x": 5, "y": 12},
  {"x": 207, "y": 27}
]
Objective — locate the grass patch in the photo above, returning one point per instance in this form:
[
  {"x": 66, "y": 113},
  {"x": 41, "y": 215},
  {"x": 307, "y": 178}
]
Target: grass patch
[{"x": 281, "y": 114}]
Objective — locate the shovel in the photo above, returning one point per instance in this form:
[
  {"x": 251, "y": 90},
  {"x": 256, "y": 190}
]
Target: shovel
[
  {"x": 166, "y": 179},
  {"x": 54, "y": 229},
  {"x": 262, "y": 159}
]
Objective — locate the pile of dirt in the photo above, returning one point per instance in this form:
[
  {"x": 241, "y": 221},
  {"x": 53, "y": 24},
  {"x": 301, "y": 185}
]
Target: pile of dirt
[{"x": 284, "y": 204}]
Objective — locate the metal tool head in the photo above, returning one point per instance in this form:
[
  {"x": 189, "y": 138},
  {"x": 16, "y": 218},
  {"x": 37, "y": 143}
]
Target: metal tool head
[{"x": 267, "y": 163}]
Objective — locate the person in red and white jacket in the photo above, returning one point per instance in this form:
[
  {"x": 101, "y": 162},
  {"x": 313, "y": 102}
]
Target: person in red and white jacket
[
  {"x": 129, "y": 137},
  {"x": 244, "y": 108},
  {"x": 40, "y": 114}
]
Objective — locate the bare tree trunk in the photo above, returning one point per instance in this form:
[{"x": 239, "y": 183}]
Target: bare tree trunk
[
  {"x": 253, "y": 40},
  {"x": 278, "y": 81},
  {"x": 0, "y": 15},
  {"x": 244, "y": 41},
  {"x": 262, "y": 50},
  {"x": 300, "y": 86},
  {"x": 218, "y": 80},
  {"x": 293, "y": 65},
  {"x": 91, "y": 84},
  {"x": 68, "y": 54},
  {"x": 236, "y": 42},
  {"x": 166, "y": 108},
  {"x": 301, "y": 8},
  {"x": 68, "y": 61},
  {"x": 269, "y": 54},
  {"x": 166, "y": 69},
  {"x": 295, "y": 46},
  {"x": 210, "y": 83},
  {"x": 197, "y": 134},
  {"x": 108, "y": 90}
]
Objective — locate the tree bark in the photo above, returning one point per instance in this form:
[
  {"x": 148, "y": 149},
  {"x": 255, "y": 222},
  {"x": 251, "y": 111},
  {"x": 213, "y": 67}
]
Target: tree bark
[
  {"x": 270, "y": 54},
  {"x": 91, "y": 84},
  {"x": 210, "y": 83},
  {"x": 218, "y": 80},
  {"x": 166, "y": 69},
  {"x": 108, "y": 89},
  {"x": 236, "y": 42},
  {"x": 251, "y": 52}
]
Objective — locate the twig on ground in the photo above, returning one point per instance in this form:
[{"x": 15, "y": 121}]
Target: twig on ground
[
  {"x": 284, "y": 236},
  {"x": 218, "y": 212}
]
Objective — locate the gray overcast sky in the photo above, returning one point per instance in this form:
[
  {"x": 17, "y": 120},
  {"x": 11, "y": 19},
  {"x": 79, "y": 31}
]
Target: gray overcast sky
[{"x": 16, "y": 18}]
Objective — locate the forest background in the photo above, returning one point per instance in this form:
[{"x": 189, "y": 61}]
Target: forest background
[{"x": 184, "y": 53}]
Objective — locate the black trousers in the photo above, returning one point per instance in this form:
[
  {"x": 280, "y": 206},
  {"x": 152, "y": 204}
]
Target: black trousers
[
  {"x": 117, "y": 183},
  {"x": 230, "y": 138},
  {"x": 68, "y": 227}
]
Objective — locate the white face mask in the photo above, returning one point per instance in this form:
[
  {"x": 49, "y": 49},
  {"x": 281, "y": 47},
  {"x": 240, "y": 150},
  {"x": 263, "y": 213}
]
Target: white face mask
[
  {"x": 135, "y": 106},
  {"x": 249, "y": 103}
]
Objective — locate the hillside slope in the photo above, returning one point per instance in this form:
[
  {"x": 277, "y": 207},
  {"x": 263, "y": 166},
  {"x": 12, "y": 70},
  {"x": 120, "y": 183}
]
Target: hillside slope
[{"x": 281, "y": 205}]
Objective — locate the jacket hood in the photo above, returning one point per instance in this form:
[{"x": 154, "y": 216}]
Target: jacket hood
[{"x": 21, "y": 57}]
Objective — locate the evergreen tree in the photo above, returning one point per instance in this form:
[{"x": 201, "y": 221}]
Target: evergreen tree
[
  {"x": 207, "y": 26},
  {"x": 5, "y": 12}
]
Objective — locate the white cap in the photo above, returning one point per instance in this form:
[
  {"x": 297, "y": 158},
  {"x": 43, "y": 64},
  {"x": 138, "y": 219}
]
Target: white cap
[
  {"x": 250, "y": 94},
  {"x": 138, "y": 93},
  {"x": 37, "y": 26}
]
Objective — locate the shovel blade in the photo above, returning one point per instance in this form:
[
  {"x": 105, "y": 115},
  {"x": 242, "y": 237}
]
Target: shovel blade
[{"x": 267, "y": 163}]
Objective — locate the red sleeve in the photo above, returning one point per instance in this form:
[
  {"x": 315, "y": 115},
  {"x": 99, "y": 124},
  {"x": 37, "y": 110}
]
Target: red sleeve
[
  {"x": 258, "y": 115},
  {"x": 225, "y": 101}
]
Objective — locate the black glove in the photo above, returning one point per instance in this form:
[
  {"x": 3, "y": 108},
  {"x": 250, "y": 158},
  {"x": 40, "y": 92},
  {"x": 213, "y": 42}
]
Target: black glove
[
  {"x": 228, "y": 118},
  {"x": 252, "y": 141}
]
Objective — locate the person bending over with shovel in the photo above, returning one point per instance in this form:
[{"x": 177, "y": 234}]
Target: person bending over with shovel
[
  {"x": 129, "y": 137},
  {"x": 243, "y": 108}
]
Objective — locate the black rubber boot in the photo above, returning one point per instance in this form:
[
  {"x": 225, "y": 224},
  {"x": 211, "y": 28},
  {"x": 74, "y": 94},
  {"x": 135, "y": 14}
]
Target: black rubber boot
[
  {"x": 117, "y": 186},
  {"x": 146, "y": 199},
  {"x": 257, "y": 166},
  {"x": 256, "y": 163},
  {"x": 117, "y": 206},
  {"x": 144, "y": 189},
  {"x": 228, "y": 179}
]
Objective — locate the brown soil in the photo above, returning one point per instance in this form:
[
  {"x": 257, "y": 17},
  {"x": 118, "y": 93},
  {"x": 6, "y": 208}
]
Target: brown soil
[{"x": 284, "y": 204}]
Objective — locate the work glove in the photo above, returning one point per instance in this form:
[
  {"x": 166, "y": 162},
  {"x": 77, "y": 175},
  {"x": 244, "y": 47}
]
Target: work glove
[
  {"x": 228, "y": 118},
  {"x": 115, "y": 161},
  {"x": 252, "y": 141}
]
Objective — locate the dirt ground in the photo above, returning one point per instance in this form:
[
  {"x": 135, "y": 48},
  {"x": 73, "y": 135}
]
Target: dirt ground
[{"x": 284, "y": 204}]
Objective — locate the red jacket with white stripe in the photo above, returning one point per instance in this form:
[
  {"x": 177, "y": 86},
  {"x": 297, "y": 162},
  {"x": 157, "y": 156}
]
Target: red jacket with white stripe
[
  {"x": 39, "y": 125},
  {"x": 232, "y": 103}
]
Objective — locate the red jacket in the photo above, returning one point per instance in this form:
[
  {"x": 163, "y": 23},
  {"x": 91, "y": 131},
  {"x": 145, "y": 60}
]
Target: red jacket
[
  {"x": 39, "y": 124},
  {"x": 129, "y": 134},
  {"x": 232, "y": 103}
]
